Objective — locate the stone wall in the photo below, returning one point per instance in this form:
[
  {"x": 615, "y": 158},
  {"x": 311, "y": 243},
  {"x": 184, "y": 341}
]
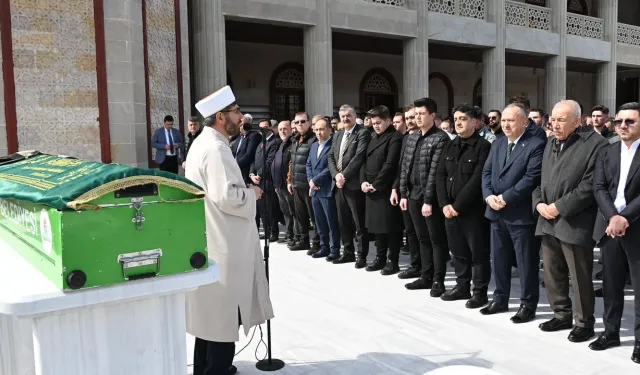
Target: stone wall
[
  {"x": 54, "y": 56},
  {"x": 163, "y": 74}
]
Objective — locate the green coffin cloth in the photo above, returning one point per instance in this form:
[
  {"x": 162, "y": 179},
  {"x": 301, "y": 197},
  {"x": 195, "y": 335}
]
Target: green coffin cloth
[{"x": 70, "y": 184}]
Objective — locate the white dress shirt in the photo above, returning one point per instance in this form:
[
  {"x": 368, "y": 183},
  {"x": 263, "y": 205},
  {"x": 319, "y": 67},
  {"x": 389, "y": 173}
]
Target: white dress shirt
[
  {"x": 320, "y": 147},
  {"x": 626, "y": 157},
  {"x": 167, "y": 134}
]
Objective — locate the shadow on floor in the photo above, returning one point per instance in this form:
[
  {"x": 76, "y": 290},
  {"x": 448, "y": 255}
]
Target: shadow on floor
[{"x": 373, "y": 364}]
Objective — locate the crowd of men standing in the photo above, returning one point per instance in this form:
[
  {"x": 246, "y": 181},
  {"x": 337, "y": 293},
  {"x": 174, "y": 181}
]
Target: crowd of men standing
[{"x": 500, "y": 190}]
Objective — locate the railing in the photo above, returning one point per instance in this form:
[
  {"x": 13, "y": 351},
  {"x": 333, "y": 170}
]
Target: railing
[
  {"x": 525, "y": 15},
  {"x": 629, "y": 34},
  {"x": 588, "y": 27},
  {"x": 464, "y": 8},
  {"x": 395, "y": 3}
]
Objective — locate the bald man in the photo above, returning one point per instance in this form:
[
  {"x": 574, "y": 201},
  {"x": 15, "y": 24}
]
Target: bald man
[{"x": 567, "y": 209}]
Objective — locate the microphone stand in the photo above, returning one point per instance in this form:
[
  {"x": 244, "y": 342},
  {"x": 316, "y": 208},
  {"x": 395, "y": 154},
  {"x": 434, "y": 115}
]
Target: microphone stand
[{"x": 268, "y": 364}]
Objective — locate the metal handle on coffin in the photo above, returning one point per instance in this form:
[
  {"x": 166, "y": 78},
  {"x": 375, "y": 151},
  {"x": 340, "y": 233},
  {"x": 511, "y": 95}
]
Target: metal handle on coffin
[{"x": 140, "y": 259}]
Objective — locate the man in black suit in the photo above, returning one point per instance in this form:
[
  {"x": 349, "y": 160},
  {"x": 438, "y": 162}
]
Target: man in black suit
[
  {"x": 458, "y": 184},
  {"x": 567, "y": 212},
  {"x": 345, "y": 160},
  {"x": 509, "y": 177},
  {"x": 377, "y": 176},
  {"x": 244, "y": 149},
  {"x": 616, "y": 185},
  {"x": 261, "y": 177}
]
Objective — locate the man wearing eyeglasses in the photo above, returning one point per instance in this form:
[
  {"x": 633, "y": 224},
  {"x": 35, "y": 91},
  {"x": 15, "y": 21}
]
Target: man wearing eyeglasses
[{"x": 616, "y": 186}]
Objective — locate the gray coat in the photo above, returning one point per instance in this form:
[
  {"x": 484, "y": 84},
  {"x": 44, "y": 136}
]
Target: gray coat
[{"x": 567, "y": 181}]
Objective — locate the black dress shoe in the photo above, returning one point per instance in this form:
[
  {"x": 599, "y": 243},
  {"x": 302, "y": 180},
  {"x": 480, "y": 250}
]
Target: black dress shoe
[
  {"x": 598, "y": 275},
  {"x": 320, "y": 254},
  {"x": 524, "y": 314},
  {"x": 581, "y": 334},
  {"x": 409, "y": 273},
  {"x": 377, "y": 265},
  {"x": 332, "y": 257},
  {"x": 390, "y": 269},
  {"x": 605, "y": 341},
  {"x": 232, "y": 370},
  {"x": 457, "y": 293},
  {"x": 361, "y": 262},
  {"x": 598, "y": 293},
  {"x": 437, "y": 289},
  {"x": 478, "y": 300},
  {"x": 556, "y": 324},
  {"x": 345, "y": 258},
  {"x": 312, "y": 251},
  {"x": 636, "y": 352},
  {"x": 494, "y": 308},
  {"x": 300, "y": 245},
  {"x": 419, "y": 284}
]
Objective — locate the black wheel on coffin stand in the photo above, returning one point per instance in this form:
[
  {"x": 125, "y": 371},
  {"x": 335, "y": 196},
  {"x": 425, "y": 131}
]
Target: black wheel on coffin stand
[{"x": 76, "y": 279}]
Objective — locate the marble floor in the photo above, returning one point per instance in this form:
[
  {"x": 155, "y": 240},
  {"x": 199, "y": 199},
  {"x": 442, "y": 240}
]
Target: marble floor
[{"x": 336, "y": 320}]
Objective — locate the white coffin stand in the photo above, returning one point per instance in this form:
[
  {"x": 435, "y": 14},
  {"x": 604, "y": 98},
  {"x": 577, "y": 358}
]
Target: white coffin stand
[{"x": 133, "y": 328}]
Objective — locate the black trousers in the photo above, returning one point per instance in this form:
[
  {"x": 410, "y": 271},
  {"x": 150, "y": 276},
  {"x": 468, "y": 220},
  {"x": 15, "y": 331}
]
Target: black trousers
[
  {"x": 432, "y": 237},
  {"x": 388, "y": 246},
  {"x": 412, "y": 241},
  {"x": 212, "y": 358},
  {"x": 304, "y": 213},
  {"x": 285, "y": 200},
  {"x": 170, "y": 164},
  {"x": 619, "y": 257},
  {"x": 269, "y": 202},
  {"x": 468, "y": 237},
  {"x": 351, "y": 212}
]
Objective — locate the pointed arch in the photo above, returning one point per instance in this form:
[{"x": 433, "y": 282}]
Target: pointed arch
[
  {"x": 286, "y": 91},
  {"x": 378, "y": 87},
  {"x": 447, "y": 82},
  {"x": 578, "y": 7}
]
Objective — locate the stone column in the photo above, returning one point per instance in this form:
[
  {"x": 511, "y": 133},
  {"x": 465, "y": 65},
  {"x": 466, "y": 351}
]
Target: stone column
[
  {"x": 126, "y": 82},
  {"x": 556, "y": 66},
  {"x": 415, "y": 72},
  {"x": 318, "y": 64},
  {"x": 607, "y": 75},
  {"x": 209, "y": 39},
  {"x": 186, "y": 80},
  {"x": 3, "y": 124},
  {"x": 493, "y": 60}
]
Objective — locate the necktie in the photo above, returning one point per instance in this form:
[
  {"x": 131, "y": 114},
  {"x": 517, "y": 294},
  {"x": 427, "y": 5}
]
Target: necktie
[
  {"x": 510, "y": 149},
  {"x": 343, "y": 147},
  {"x": 170, "y": 141}
]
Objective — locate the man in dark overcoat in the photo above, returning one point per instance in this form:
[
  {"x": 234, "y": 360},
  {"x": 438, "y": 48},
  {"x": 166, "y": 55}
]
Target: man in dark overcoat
[
  {"x": 459, "y": 191},
  {"x": 567, "y": 211},
  {"x": 377, "y": 176}
]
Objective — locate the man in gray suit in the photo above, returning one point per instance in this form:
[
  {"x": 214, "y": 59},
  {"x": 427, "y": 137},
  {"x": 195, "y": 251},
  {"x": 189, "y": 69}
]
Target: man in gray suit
[
  {"x": 566, "y": 211},
  {"x": 169, "y": 146}
]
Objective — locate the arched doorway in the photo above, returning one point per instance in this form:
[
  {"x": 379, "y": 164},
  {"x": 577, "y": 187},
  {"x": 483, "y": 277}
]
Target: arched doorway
[
  {"x": 477, "y": 93},
  {"x": 578, "y": 7},
  {"x": 573, "y": 6},
  {"x": 287, "y": 91},
  {"x": 442, "y": 93},
  {"x": 378, "y": 88}
]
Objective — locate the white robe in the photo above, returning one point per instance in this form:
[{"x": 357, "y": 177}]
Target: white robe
[{"x": 232, "y": 242}]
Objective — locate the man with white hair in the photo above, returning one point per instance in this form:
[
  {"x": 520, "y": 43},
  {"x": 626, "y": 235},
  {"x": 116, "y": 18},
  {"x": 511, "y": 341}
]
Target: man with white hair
[{"x": 567, "y": 212}]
